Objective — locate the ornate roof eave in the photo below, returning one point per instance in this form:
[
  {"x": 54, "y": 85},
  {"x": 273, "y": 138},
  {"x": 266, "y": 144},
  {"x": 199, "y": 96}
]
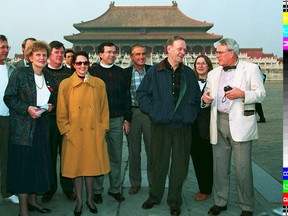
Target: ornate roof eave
[
  {"x": 89, "y": 36},
  {"x": 120, "y": 16},
  {"x": 113, "y": 28}
]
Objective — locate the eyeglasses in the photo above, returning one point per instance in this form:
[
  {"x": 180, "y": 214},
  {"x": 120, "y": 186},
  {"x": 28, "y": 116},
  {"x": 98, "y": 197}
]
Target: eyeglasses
[
  {"x": 110, "y": 52},
  {"x": 221, "y": 53},
  {"x": 201, "y": 63},
  {"x": 86, "y": 63},
  {"x": 5, "y": 47}
]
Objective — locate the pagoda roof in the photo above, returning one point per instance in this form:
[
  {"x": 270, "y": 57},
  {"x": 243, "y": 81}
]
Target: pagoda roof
[
  {"x": 91, "y": 36},
  {"x": 143, "y": 16}
]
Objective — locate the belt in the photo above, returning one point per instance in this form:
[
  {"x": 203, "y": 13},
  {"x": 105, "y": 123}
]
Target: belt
[{"x": 136, "y": 107}]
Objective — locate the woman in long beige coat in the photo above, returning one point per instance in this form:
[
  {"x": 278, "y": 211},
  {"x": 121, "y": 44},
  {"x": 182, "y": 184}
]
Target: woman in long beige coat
[{"x": 83, "y": 120}]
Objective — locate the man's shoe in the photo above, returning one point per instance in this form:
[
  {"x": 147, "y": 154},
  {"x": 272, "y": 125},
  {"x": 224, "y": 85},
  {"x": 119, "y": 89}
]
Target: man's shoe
[
  {"x": 47, "y": 197},
  {"x": 215, "y": 210},
  {"x": 148, "y": 204},
  {"x": 117, "y": 196},
  {"x": 70, "y": 196},
  {"x": 246, "y": 213},
  {"x": 134, "y": 189},
  {"x": 13, "y": 199},
  {"x": 97, "y": 198},
  {"x": 175, "y": 211},
  {"x": 200, "y": 197},
  {"x": 262, "y": 120}
]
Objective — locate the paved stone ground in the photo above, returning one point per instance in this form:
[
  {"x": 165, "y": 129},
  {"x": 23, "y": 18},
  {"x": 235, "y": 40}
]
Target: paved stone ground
[
  {"x": 267, "y": 151},
  {"x": 267, "y": 166}
]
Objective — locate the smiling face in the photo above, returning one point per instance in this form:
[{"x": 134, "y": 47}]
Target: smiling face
[
  {"x": 138, "y": 56},
  {"x": 81, "y": 65},
  {"x": 39, "y": 58},
  {"x": 108, "y": 57},
  {"x": 225, "y": 57},
  {"x": 4, "y": 50},
  {"x": 201, "y": 67},
  {"x": 56, "y": 57},
  {"x": 176, "y": 52}
]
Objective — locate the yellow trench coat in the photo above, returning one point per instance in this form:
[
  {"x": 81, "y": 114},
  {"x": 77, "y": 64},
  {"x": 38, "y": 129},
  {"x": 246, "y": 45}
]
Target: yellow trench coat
[{"x": 83, "y": 120}]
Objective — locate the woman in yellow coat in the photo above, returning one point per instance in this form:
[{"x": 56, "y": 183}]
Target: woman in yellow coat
[{"x": 83, "y": 120}]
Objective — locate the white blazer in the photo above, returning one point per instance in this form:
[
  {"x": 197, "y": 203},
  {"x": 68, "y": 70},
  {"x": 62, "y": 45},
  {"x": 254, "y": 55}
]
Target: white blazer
[{"x": 247, "y": 78}]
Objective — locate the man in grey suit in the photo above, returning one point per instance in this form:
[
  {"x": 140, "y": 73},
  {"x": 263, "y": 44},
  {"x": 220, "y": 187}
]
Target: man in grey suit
[
  {"x": 23, "y": 62},
  {"x": 232, "y": 90}
]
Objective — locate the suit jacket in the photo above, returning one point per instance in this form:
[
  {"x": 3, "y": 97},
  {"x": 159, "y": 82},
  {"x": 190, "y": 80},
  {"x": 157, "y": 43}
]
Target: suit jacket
[
  {"x": 19, "y": 64},
  {"x": 247, "y": 78}
]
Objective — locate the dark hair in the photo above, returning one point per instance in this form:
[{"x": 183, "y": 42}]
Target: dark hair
[
  {"x": 24, "y": 42},
  {"x": 56, "y": 45},
  {"x": 135, "y": 46},
  {"x": 207, "y": 60},
  {"x": 175, "y": 38},
  {"x": 3, "y": 38},
  {"x": 79, "y": 53},
  {"x": 68, "y": 51},
  {"x": 102, "y": 45}
]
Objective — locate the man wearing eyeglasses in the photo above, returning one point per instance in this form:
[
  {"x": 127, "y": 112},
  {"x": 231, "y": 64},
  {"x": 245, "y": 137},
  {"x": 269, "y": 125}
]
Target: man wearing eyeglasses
[
  {"x": 232, "y": 90},
  {"x": 59, "y": 72},
  {"x": 5, "y": 71},
  {"x": 119, "y": 99}
]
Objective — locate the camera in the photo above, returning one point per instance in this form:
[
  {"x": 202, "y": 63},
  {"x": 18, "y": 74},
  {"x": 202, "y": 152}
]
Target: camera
[{"x": 227, "y": 88}]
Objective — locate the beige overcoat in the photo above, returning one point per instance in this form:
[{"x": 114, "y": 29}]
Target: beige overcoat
[{"x": 83, "y": 120}]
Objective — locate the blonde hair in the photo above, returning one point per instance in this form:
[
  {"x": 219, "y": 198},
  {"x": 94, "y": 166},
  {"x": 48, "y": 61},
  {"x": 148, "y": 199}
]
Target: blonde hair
[{"x": 36, "y": 46}]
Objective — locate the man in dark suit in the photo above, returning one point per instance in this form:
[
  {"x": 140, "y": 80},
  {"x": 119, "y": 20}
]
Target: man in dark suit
[
  {"x": 23, "y": 62},
  {"x": 141, "y": 123}
]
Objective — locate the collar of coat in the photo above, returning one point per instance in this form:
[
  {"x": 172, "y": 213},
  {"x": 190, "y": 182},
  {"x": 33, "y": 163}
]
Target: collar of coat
[
  {"x": 164, "y": 62},
  {"x": 76, "y": 80}
]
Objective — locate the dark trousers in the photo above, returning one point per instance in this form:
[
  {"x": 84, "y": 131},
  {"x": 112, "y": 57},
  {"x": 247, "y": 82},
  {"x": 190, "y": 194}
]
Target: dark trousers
[
  {"x": 259, "y": 110},
  {"x": 4, "y": 136},
  {"x": 56, "y": 147},
  {"x": 202, "y": 158},
  {"x": 165, "y": 143}
]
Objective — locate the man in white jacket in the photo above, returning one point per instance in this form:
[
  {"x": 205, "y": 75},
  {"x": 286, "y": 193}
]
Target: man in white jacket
[{"x": 232, "y": 90}]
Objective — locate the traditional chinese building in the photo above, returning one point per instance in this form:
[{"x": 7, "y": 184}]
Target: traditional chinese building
[{"x": 147, "y": 25}]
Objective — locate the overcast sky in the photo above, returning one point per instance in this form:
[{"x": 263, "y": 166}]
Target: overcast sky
[{"x": 253, "y": 23}]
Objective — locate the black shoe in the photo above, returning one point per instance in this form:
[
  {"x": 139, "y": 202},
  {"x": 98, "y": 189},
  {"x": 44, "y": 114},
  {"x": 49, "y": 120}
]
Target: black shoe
[
  {"x": 70, "y": 196},
  {"x": 148, "y": 204},
  {"x": 175, "y": 211},
  {"x": 262, "y": 120},
  {"x": 47, "y": 197},
  {"x": 246, "y": 213},
  {"x": 42, "y": 210},
  {"x": 117, "y": 196},
  {"x": 77, "y": 213},
  {"x": 92, "y": 210},
  {"x": 215, "y": 210},
  {"x": 97, "y": 198}
]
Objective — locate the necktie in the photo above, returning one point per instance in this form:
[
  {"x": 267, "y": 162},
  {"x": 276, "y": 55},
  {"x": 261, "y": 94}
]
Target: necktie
[
  {"x": 229, "y": 68},
  {"x": 202, "y": 80}
]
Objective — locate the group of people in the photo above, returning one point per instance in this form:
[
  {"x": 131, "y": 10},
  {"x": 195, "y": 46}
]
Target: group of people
[{"x": 82, "y": 113}]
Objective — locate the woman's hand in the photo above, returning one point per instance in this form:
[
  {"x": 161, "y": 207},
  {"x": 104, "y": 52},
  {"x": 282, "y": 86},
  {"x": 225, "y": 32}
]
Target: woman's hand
[
  {"x": 50, "y": 107},
  {"x": 32, "y": 110}
]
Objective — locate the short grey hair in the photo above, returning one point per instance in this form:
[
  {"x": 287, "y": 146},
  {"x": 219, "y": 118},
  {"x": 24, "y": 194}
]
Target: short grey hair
[{"x": 231, "y": 45}]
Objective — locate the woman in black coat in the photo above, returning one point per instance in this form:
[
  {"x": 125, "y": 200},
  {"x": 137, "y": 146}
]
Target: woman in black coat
[
  {"x": 30, "y": 96},
  {"x": 201, "y": 149}
]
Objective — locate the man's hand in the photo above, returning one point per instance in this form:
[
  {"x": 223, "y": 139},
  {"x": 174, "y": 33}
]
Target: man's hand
[
  {"x": 235, "y": 93},
  {"x": 206, "y": 98}
]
